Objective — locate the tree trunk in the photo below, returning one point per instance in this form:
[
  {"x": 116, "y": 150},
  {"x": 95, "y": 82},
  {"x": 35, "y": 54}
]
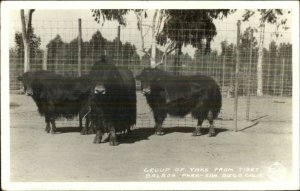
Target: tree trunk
[
  {"x": 26, "y": 30},
  {"x": 260, "y": 60},
  {"x": 178, "y": 52},
  {"x": 25, "y": 42},
  {"x": 45, "y": 57},
  {"x": 153, "y": 52},
  {"x": 26, "y": 57},
  {"x": 153, "y": 40},
  {"x": 79, "y": 48}
]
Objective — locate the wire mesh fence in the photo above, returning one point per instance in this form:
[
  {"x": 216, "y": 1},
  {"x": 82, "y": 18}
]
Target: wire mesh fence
[{"x": 57, "y": 49}]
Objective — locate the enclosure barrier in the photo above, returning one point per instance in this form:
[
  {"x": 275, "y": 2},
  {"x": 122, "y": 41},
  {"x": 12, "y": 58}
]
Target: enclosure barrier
[
  {"x": 230, "y": 64},
  {"x": 236, "y": 86}
]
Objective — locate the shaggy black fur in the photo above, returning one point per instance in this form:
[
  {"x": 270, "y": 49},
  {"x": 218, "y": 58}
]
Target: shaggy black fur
[
  {"x": 180, "y": 95},
  {"x": 113, "y": 107},
  {"x": 57, "y": 96}
]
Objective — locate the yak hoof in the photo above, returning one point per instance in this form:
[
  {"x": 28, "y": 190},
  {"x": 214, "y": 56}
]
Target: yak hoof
[
  {"x": 97, "y": 140},
  {"x": 212, "y": 134},
  {"x": 47, "y": 129},
  {"x": 196, "y": 133},
  {"x": 160, "y": 133},
  {"x": 104, "y": 138},
  {"x": 128, "y": 131},
  {"x": 113, "y": 143},
  {"x": 90, "y": 131},
  {"x": 83, "y": 132},
  {"x": 112, "y": 140},
  {"x": 52, "y": 132}
]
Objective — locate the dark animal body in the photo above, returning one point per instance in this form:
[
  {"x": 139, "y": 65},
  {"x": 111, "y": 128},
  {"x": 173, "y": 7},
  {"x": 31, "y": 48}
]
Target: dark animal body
[
  {"x": 180, "y": 95},
  {"x": 113, "y": 108},
  {"x": 57, "y": 96}
]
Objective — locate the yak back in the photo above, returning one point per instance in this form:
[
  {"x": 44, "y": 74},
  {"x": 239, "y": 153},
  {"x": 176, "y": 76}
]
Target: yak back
[
  {"x": 58, "y": 95},
  {"x": 179, "y": 95},
  {"x": 186, "y": 87},
  {"x": 197, "y": 93}
]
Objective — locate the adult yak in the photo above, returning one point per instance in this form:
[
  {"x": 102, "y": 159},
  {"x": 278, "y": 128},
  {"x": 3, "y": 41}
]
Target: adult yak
[
  {"x": 180, "y": 95},
  {"x": 57, "y": 96},
  {"x": 114, "y": 103}
]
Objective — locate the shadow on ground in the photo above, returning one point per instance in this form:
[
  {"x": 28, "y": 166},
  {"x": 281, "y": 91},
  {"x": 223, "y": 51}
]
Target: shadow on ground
[
  {"x": 68, "y": 129},
  {"x": 204, "y": 131},
  {"x": 143, "y": 133},
  {"x": 13, "y": 105}
]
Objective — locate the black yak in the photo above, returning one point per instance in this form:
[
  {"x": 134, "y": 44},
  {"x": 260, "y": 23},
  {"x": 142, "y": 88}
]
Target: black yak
[
  {"x": 57, "y": 96},
  {"x": 113, "y": 108},
  {"x": 180, "y": 95}
]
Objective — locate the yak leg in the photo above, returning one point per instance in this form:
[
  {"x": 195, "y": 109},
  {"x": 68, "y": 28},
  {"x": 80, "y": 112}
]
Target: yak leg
[
  {"x": 128, "y": 131},
  {"x": 47, "y": 120},
  {"x": 84, "y": 112},
  {"x": 80, "y": 121},
  {"x": 197, "y": 131},
  {"x": 112, "y": 136},
  {"x": 85, "y": 129},
  {"x": 159, "y": 129},
  {"x": 51, "y": 117},
  {"x": 99, "y": 130},
  {"x": 90, "y": 124},
  {"x": 98, "y": 136},
  {"x": 53, "y": 129},
  {"x": 159, "y": 119},
  {"x": 210, "y": 118},
  {"x": 91, "y": 128},
  {"x": 106, "y": 134}
]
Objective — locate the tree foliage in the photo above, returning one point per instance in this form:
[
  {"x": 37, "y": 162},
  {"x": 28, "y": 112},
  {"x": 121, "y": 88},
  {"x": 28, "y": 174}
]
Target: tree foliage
[
  {"x": 34, "y": 43},
  {"x": 272, "y": 16},
  {"x": 199, "y": 22},
  {"x": 110, "y": 14},
  {"x": 64, "y": 56},
  {"x": 266, "y": 15},
  {"x": 191, "y": 27}
]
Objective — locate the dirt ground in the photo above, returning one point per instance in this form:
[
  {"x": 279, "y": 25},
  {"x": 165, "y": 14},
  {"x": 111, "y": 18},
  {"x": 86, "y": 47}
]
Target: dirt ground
[{"x": 260, "y": 150}]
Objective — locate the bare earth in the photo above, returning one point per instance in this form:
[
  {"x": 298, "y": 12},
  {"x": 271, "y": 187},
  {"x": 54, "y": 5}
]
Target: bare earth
[{"x": 261, "y": 150}]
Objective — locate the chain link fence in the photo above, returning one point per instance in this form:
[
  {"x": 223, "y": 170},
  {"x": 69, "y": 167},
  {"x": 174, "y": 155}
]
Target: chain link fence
[{"x": 58, "y": 49}]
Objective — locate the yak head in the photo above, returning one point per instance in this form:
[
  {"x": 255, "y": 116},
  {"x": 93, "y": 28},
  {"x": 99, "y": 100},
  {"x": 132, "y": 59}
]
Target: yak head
[
  {"x": 147, "y": 77},
  {"x": 104, "y": 74},
  {"x": 26, "y": 79},
  {"x": 99, "y": 89}
]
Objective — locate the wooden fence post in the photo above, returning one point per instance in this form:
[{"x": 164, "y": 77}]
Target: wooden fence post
[
  {"x": 26, "y": 42},
  {"x": 249, "y": 78},
  {"x": 237, "y": 74},
  {"x": 118, "y": 44},
  {"x": 79, "y": 47},
  {"x": 223, "y": 73},
  {"x": 282, "y": 78}
]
